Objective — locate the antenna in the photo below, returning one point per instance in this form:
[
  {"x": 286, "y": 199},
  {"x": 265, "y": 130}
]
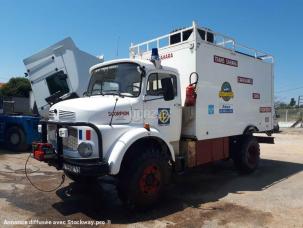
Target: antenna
[{"x": 118, "y": 39}]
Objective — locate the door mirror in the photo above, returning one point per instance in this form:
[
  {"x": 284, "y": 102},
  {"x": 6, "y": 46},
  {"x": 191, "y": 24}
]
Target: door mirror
[{"x": 168, "y": 89}]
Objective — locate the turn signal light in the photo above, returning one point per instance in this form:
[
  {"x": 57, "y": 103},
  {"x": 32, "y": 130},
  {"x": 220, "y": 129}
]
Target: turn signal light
[{"x": 147, "y": 126}]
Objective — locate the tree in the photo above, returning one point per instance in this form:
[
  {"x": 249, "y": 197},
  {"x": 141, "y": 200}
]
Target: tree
[
  {"x": 292, "y": 102},
  {"x": 17, "y": 87}
]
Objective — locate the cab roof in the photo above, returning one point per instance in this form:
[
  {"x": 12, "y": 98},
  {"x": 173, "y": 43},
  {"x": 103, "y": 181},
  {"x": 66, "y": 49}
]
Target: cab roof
[{"x": 147, "y": 64}]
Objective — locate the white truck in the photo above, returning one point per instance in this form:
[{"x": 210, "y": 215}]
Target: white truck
[
  {"x": 57, "y": 73},
  {"x": 181, "y": 100}
]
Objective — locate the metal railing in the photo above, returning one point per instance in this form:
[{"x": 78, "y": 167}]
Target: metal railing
[{"x": 219, "y": 40}]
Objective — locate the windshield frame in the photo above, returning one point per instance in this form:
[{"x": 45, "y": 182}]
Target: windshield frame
[{"x": 118, "y": 92}]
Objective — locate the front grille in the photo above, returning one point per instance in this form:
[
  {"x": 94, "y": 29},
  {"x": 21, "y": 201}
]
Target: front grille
[
  {"x": 66, "y": 116},
  {"x": 71, "y": 142},
  {"x": 52, "y": 135}
]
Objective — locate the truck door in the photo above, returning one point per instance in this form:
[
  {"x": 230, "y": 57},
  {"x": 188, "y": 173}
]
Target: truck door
[{"x": 163, "y": 115}]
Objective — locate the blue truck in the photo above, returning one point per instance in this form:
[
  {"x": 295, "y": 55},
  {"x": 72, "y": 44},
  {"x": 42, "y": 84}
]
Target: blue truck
[{"x": 17, "y": 132}]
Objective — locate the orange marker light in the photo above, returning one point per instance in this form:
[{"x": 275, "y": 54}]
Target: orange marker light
[{"x": 146, "y": 126}]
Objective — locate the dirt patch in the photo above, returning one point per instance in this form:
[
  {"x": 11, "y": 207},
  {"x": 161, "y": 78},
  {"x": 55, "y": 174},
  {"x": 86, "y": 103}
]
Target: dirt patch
[
  {"x": 220, "y": 214},
  {"x": 227, "y": 213}
]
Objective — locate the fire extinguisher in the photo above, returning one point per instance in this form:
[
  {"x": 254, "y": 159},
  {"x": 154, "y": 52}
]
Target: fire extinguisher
[{"x": 191, "y": 94}]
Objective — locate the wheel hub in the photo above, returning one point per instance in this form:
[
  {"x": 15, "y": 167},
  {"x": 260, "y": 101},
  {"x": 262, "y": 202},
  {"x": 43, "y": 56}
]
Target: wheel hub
[
  {"x": 14, "y": 138},
  {"x": 150, "y": 180}
]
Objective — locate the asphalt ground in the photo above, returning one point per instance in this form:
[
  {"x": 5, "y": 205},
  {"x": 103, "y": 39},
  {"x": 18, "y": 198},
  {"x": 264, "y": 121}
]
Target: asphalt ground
[{"x": 211, "y": 196}]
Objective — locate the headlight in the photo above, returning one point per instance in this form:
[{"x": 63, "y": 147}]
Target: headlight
[{"x": 85, "y": 149}]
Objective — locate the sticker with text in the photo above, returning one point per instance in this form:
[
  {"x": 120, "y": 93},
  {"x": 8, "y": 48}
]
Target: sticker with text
[
  {"x": 244, "y": 80},
  {"x": 226, "y": 109},
  {"x": 256, "y": 96},
  {"x": 225, "y": 61},
  {"x": 265, "y": 109}
]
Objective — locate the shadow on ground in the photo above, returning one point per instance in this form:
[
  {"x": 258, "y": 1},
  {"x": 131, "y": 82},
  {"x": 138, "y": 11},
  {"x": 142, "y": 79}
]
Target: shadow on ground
[
  {"x": 207, "y": 184},
  {"x": 5, "y": 151}
]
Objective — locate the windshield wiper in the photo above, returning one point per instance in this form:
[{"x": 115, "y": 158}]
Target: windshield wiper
[{"x": 112, "y": 92}]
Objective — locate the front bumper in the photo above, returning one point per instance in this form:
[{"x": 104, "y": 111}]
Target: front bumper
[
  {"x": 87, "y": 167},
  {"x": 81, "y": 167}
]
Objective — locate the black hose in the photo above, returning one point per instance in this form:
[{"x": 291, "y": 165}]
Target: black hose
[{"x": 35, "y": 186}]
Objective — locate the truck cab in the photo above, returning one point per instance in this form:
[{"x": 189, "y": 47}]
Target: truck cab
[{"x": 58, "y": 72}]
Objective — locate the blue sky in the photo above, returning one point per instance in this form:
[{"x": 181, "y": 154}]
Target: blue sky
[{"x": 275, "y": 27}]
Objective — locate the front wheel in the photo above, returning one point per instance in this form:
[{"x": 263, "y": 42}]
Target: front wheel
[{"x": 144, "y": 179}]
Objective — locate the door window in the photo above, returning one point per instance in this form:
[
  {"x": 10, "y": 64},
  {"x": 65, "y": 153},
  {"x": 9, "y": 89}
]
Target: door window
[{"x": 154, "y": 86}]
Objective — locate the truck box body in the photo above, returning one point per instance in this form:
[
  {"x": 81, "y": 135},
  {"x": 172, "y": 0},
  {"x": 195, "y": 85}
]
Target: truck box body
[
  {"x": 234, "y": 89},
  {"x": 61, "y": 68}
]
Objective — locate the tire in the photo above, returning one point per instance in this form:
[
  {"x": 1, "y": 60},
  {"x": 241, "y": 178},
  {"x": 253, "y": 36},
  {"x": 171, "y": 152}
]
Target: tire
[
  {"x": 276, "y": 128},
  {"x": 247, "y": 157},
  {"x": 144, "y": 179},
  {"x": 16, "y": 139}
]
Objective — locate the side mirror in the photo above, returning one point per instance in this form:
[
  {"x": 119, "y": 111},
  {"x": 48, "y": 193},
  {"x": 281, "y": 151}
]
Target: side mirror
[
  {"x": 277, "y": 116},
  {"x": 168, "y": 89},
  {"x": 84, "y": 94}
]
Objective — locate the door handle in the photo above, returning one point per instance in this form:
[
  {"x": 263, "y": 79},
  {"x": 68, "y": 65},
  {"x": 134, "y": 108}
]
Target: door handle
[{"x": 177, "y": 105}]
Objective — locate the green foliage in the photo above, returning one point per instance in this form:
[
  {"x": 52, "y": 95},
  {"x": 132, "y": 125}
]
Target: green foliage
[{"x": 17, "y": 87}]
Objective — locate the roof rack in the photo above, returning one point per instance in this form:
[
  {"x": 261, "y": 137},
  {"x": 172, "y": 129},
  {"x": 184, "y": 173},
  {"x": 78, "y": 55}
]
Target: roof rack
[{"x": 210, "y": 37}]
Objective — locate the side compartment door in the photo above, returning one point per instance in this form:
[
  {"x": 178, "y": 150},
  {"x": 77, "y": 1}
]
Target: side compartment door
[{"x": 163, "y": 115}]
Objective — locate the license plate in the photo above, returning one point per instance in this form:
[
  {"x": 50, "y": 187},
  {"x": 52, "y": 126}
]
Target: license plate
[{"x": 71, "y": 168}]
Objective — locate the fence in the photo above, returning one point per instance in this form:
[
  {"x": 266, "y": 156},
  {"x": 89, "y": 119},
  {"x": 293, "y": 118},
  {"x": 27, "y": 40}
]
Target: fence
[{"x": 289, "y": 115}]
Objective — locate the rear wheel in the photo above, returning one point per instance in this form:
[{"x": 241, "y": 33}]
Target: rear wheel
[
  {"x": 16, "y": 139},
  {"x": 247, "y": 157},
  {"x": 144, "y": 179}
]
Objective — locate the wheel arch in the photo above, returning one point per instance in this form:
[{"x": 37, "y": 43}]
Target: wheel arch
[
  {"x": 122, "y": 149},
  {"x": 250, "y": 129}
]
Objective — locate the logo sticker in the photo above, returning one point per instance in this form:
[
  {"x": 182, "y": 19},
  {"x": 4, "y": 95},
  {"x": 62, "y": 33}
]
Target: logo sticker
[
  {"x": 164, "y": 116},
  {"x": 211, "y": 109},
  {"x": 226, "y": 92}
]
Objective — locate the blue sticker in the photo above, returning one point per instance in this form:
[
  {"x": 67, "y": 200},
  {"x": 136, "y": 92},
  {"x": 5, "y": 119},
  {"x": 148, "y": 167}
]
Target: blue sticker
[
  {"x": 211, "y": 109},
  {"x": 164, "y": 116}
]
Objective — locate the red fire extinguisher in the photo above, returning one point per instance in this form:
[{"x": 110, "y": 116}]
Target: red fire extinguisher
[{"x": 191, "y": 94}]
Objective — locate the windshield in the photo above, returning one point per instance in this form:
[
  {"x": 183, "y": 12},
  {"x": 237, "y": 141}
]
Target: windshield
[{"x": 123, "y": 79}]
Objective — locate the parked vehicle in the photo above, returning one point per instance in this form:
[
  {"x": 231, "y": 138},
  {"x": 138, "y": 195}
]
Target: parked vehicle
[
  {"x": 194, "y": 100},
  {"x": 17, "y": 132},
  {"x": 59, "y": 72}
]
